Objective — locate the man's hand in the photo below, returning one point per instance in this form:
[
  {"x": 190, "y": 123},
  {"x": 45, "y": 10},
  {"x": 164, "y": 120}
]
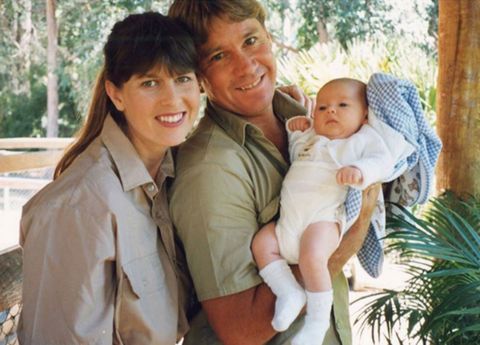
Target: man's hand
[
  {"x": 297, "y": 94},
  {"x": 353, "y": 239},
  {"x": 349, "y": 175}
]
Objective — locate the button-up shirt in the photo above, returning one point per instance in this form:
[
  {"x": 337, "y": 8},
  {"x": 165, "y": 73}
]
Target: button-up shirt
[
  {"x": 229, "y": 177},
  {"x": 99, "y": 252}
]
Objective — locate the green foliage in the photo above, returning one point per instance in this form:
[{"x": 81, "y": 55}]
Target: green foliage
[
  {"x": 432, "y": 11},
  {"x": 84, "y": 25},
  {"x": 347, "y": 19},
  {"x": 440, "y": 304},
  {"x": 82, "y": 30},
  {"x": 310, "y": 69},
  {"x": 22, "y": 113}
]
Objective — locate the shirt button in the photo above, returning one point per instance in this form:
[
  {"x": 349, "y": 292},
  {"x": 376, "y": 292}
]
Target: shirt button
[{"x": 150, "y": 187}]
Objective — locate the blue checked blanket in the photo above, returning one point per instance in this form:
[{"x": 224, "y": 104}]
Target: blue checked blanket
[{"x": 396, "y": 102}]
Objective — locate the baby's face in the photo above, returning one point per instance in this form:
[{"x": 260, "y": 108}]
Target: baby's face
[{"x": 340, "y": 110}]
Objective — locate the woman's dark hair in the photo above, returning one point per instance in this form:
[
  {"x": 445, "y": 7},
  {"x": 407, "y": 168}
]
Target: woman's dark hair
[{"x": 135, "y": 45}]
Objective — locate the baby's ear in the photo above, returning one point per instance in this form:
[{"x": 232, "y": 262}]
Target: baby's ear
[{"x": 365, "y": 120}]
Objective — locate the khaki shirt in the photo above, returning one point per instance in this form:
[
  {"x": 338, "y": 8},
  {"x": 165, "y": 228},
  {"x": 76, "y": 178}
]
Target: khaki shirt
[
  {"x": 228, "y": 185},
  {"x": 99, "y": 252}
]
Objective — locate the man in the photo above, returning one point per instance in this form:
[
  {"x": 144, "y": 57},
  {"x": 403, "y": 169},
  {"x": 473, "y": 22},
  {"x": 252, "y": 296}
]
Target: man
[{"x": 229, "y": 175}]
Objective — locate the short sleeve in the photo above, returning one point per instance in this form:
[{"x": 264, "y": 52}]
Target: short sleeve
[
  {"x": 69, "y": 274},
  {"x": 213, "y": 209}
]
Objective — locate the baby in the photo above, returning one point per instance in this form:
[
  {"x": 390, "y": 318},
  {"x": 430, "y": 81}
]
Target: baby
[{"x": 335, "y": 150}]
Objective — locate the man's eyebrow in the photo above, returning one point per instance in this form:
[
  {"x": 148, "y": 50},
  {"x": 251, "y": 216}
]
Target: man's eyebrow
[
  {"x": 205, "y": 52},
  {"x": 209, "y": 51}
]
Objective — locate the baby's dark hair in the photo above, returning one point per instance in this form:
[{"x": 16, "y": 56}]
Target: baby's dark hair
[{"x": 362, "y": 87}]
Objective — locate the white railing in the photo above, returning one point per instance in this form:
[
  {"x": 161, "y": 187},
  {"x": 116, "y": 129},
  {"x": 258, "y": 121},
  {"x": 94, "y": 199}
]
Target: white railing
[{"x": 25, "y": 167}]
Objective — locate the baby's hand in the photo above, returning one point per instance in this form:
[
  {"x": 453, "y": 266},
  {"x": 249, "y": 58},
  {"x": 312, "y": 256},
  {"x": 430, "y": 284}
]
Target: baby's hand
[
  {"x": 349, "y": 176},
  {"x": 300, "y": 123}
]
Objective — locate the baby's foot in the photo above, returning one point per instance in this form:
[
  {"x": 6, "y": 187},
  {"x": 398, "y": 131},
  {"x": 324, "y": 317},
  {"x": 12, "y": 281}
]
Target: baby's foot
[
  {"x": 312, "y": 333},
  {"x": 287, "y": 308}
]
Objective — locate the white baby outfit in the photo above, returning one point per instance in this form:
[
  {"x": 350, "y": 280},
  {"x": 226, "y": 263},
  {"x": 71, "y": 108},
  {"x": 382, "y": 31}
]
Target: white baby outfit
[{"x": 310, "y": 192}]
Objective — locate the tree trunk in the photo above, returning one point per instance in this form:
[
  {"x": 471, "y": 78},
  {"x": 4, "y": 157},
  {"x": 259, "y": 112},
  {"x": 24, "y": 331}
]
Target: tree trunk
[
  {"x": 322, "y": 31},
  {"x": 26, "y": 43},
  {"x": 458, "y": 97},
  {"x": 52, "y": 78}
]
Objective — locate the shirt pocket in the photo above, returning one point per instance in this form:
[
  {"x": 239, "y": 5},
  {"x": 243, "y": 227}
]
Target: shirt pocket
[{"x": 146, "y": 274}]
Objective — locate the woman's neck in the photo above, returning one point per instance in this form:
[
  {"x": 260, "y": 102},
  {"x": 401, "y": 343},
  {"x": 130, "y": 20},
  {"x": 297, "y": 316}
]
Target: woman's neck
[{"x": 152, "y": 158}]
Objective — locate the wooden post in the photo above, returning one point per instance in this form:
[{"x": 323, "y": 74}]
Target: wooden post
[{"x": 458, "y": 96}]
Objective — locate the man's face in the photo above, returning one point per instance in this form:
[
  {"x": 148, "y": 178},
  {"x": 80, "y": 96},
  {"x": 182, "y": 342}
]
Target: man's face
[{"x": 238, "y": 67}]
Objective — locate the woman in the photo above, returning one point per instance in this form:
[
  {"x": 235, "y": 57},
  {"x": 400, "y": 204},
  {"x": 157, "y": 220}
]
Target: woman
[{"x": 99, "y": 252}]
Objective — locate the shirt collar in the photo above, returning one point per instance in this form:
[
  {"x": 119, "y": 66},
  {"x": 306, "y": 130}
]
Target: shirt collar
[
  {"x": 131, "y": 169},
  {"x": 284, "y": 107},
  {"x": 167, "y": 168}
]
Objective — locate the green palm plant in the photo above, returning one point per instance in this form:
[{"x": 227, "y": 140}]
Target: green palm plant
[
  {"x": 441, "y": 301},
  {"x": 312, "y": 68}
]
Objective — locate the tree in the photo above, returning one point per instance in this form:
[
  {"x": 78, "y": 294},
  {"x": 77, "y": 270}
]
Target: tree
[
  {"x": 343, "y": 20},
  {"x": 82, "y": 30},
  {"x": 22, "y": 52},
  {"x": 458, "y": 100},
  {"x": 52, "y": 77},
  {"x": 82, "y": 27}
]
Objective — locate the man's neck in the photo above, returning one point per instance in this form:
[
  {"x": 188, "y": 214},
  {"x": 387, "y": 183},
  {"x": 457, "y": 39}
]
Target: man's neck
[{"x": 273, "y": 129}]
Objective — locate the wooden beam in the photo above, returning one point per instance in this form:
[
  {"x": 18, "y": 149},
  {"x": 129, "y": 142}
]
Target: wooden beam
[
  {"x": 30, "y": 160},
  {"x": 40, "y": 143},
  {"x": 11, "y": 277},
  {"x": 23, "y": 183}
]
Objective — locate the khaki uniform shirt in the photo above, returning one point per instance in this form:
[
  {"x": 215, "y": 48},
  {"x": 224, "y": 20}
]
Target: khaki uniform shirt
[
  {"x": 228, "y": 184},
  {"x": 99, "y": 253}
]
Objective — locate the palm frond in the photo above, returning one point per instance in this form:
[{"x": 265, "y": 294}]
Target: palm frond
[{"x": 440, "y": 250}]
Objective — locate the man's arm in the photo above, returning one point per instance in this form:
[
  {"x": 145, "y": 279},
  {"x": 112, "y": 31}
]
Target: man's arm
[
  {"x": 216, "y": 235},
  {"x": 353, "y": 239},
  {"x": 245, "y": 318}
]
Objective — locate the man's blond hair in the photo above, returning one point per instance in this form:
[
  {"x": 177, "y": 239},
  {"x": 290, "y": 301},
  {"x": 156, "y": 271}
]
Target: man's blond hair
[{"x": 198, "y": 14}]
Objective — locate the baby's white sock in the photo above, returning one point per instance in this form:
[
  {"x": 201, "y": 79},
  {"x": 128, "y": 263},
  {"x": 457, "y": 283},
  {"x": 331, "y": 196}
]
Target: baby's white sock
[
  {"x": 317, "y": 320},
  {"x": 290, "y": 295}
]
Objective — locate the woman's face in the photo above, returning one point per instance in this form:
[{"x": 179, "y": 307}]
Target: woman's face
[{"x": 159, "y": 107}]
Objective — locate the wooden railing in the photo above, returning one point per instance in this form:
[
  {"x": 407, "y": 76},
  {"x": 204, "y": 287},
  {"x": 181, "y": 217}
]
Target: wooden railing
[{"x": 24, "y": 160}]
